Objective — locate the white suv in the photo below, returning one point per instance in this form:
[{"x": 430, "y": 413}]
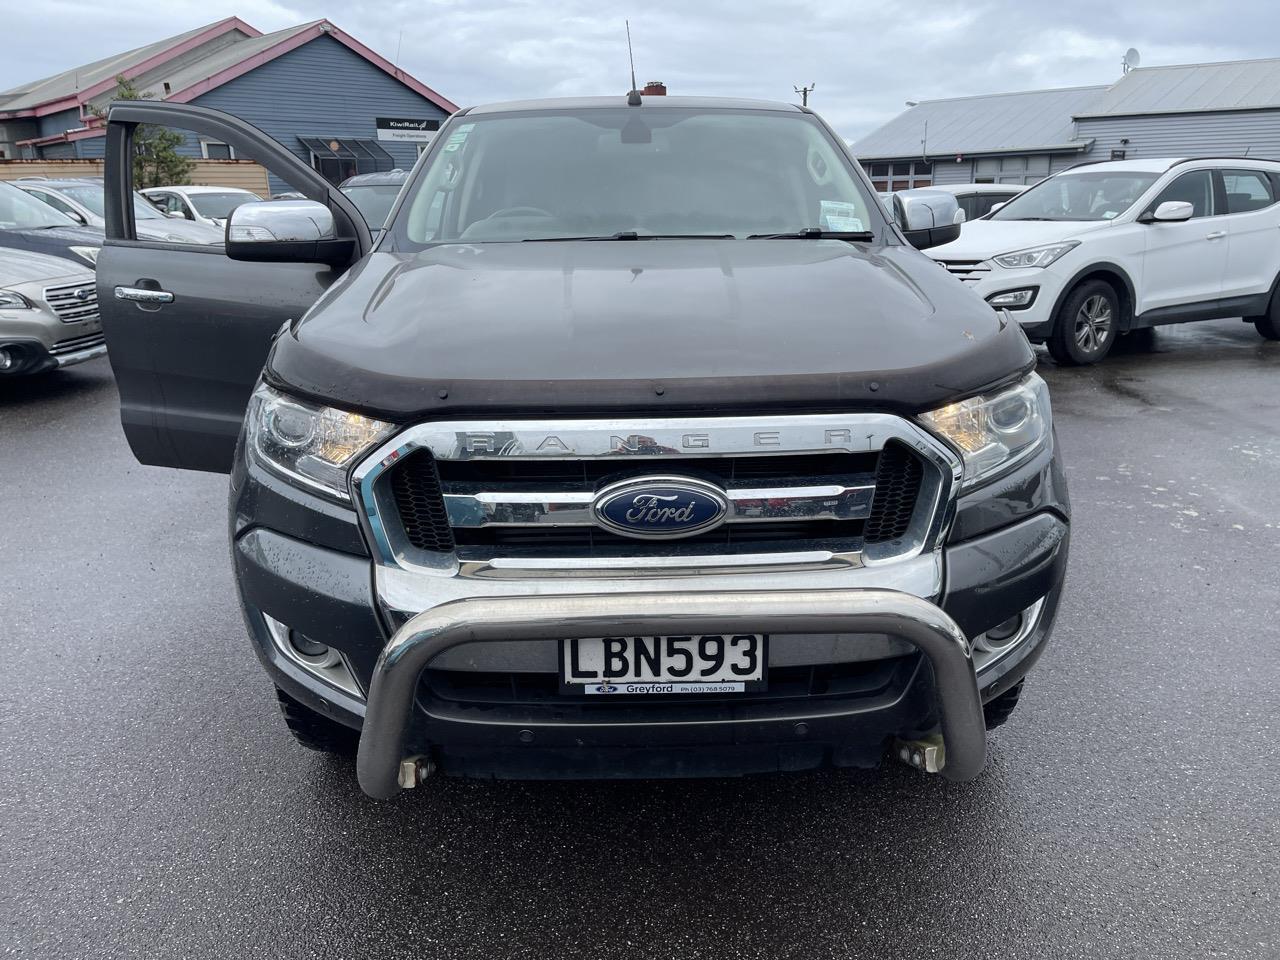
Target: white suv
[{"x": 1105, "y": 248}]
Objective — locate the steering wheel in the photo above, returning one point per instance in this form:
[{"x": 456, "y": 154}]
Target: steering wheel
[{"x": 520, "y": 211}]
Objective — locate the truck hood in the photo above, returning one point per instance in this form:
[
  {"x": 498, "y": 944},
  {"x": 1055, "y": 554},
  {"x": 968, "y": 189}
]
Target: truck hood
[
  {"x": 982, "y": 239},
  {"x": 646, "y": 326}
]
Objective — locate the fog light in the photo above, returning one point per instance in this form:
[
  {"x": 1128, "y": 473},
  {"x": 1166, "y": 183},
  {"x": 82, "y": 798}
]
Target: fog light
[
  {"x": 1000, "y": 641},
  {"x": 306, "y": 646},
  {"x": 6, "y": 360},
  {"x": 1013, "y": 299},
  {"x": 1002, "y": 633},
  {"x": 318, "y": 659}
]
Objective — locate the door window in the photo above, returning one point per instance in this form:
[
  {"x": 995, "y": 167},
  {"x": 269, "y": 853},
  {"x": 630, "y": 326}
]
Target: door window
[
  {"x": 1247, "y": 190},
  {"x": 1196, "y": 188}
]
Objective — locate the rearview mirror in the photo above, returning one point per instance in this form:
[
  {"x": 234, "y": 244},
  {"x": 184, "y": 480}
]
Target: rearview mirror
[
  {"x": 998, "y": 206},
  {"x": 284, "y": 231},
  {"x": 1173, "y": 211},
  {"x": 927, "y": 217}
]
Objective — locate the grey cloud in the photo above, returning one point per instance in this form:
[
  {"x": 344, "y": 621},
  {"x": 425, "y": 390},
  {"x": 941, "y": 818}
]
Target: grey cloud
[{"x": 865, "y": 58}]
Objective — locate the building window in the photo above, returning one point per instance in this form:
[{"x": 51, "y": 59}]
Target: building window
[
  {"x": 1023, "y": 170},
  {"x": 217, "y": 150},
  {"x": 900, "y": 175}
]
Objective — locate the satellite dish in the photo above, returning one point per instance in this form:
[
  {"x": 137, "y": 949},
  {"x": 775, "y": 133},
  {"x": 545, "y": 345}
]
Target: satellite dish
[{"x": 1131, "y": 59}]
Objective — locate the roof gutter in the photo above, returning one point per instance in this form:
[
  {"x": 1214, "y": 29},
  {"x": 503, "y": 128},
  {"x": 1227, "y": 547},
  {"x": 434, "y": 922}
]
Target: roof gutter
[{"x": 1075, "y": 146}]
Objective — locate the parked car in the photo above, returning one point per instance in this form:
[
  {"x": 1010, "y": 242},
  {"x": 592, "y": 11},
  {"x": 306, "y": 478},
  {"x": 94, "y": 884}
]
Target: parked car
[
  {"x": 82, "y": 200},
  {"x": 1106, "y": 248},
  {"x": 973, "y": 200},
  {"x": 206, "y": 205},
  {"x": 29, "y": 224},
  {"x": 977, "y": 199},
  {"x": 48, "y": 314},
  {"x": 374, "y": 193},
  {"x": 641, "y": 442}
]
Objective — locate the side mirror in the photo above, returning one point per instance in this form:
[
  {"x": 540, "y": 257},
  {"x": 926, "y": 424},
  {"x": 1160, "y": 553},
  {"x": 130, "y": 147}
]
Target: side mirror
[
  {"x": 286, "y": 231},
  {"x": 1171, "y": 211},
  {"x": 927, "y": 217}
]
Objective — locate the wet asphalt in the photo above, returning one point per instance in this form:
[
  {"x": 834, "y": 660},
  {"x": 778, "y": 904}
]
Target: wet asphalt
[{"x": 152, "y": 804}]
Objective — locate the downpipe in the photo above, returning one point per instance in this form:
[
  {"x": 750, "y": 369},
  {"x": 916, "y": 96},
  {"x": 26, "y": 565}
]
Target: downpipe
[{"x": 384, "y": 769}]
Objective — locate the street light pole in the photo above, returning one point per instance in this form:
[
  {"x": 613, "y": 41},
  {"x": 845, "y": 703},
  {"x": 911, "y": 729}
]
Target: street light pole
[{"x": 804, "y": 93}]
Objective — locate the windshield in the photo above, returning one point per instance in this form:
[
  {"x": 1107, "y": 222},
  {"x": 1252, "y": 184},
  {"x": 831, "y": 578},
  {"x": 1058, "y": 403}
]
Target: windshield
[
  {"x": 92, "y": 198},
  {"x": 374, "y": 201},
  {"x": 19, "y": 211},
  {"x": 651, "y": 171},
  {"x": 1087, "y": 195},
  {"x": 218, "y": 206}
]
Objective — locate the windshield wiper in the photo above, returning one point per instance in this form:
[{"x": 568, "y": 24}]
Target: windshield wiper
[
  {"x": 816, "y": 233},
  {"x": 633, "y": 235}
]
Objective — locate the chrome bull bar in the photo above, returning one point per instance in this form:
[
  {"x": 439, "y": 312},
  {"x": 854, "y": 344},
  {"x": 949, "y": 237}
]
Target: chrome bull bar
[{"x": 430, "y": 633}]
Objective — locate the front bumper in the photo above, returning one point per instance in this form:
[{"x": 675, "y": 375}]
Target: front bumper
[
  {"x": 1036, "y": 320},
  {"x": 384, "y": 767}
]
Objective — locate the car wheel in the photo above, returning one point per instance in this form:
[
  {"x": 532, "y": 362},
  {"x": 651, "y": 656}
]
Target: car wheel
[
  {"x": 1086, "y": 325},
  {"x": 316, "y": 731},
  {"x": 1268, "y": 325},
  {"x": 996, "y": 712}
]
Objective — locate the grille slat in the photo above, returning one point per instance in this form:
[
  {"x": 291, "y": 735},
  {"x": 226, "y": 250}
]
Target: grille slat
[
  {"x": 968, "y": 270},
  {"x": 73, "y": 302},
  {"x": 77, "y": 343}
]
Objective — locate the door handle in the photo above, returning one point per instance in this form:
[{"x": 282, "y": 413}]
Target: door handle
[
  {"x": 140, "y": 295},
  {"x": 1216, "y": 235}
]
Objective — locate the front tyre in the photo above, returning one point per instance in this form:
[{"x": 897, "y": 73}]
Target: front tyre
[
  {"x": 316, "y": 731},
  {"x": 1268, "y": 325},
  {"x": 997, "y": 711},
  {"x": 1086, "y": 325}
]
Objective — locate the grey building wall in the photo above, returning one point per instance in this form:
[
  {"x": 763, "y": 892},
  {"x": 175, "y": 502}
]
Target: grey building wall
[{"x": 1228, "y": 133}]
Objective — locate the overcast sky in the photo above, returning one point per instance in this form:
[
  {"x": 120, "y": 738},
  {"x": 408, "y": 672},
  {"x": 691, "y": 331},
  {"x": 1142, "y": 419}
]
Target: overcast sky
[{"x": 866, "y": 58}]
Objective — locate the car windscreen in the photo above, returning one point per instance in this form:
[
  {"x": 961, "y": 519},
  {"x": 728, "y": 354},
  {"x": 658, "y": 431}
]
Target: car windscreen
[
  {"x": 218, "y": 206},
  {"x": 651, "y": 171},
  {"x": 374, "y": 201},
  {"x": 20, "y": 211},
  {"x": 1087, "y": 195}
]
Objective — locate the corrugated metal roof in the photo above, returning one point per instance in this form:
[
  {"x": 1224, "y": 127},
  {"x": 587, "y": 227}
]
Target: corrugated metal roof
[
  {"x": 184, "y": 74},
  {"x": 1191, "y": 88},
  {"x": 999, "y": 123},
  {"x": 70, "y": 82}
]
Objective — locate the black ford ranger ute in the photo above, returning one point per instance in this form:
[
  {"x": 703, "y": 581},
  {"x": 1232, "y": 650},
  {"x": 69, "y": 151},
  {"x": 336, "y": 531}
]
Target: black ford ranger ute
[{"x": 642, "y": 442}]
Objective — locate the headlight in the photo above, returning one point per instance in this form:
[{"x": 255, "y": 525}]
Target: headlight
[
  {"x": 1035, "y": 256},
  {"x": 996, "y": 431},
  {"x": 13, "y": 301},
  {"x": 88, "y": 254},
  {"x": 313, "y": 446}
]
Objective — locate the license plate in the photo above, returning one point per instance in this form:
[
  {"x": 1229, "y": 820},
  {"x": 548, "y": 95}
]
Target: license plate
[{"x": 662, "y": 665}]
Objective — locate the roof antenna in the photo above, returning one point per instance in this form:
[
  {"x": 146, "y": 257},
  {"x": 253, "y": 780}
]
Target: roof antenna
[{"x": 633, "y": 98}]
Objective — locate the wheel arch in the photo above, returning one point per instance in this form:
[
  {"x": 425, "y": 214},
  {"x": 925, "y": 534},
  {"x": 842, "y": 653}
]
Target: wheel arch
[{"x": 1112, "y": 273}]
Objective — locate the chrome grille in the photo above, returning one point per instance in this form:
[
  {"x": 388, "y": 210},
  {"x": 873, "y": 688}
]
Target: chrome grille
[
  {"x": 805, "y": 488},
  {"x": 76, "y": 344},
  {"x": 73, "y": 302},
  {"x": 971, "y": 270}
]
